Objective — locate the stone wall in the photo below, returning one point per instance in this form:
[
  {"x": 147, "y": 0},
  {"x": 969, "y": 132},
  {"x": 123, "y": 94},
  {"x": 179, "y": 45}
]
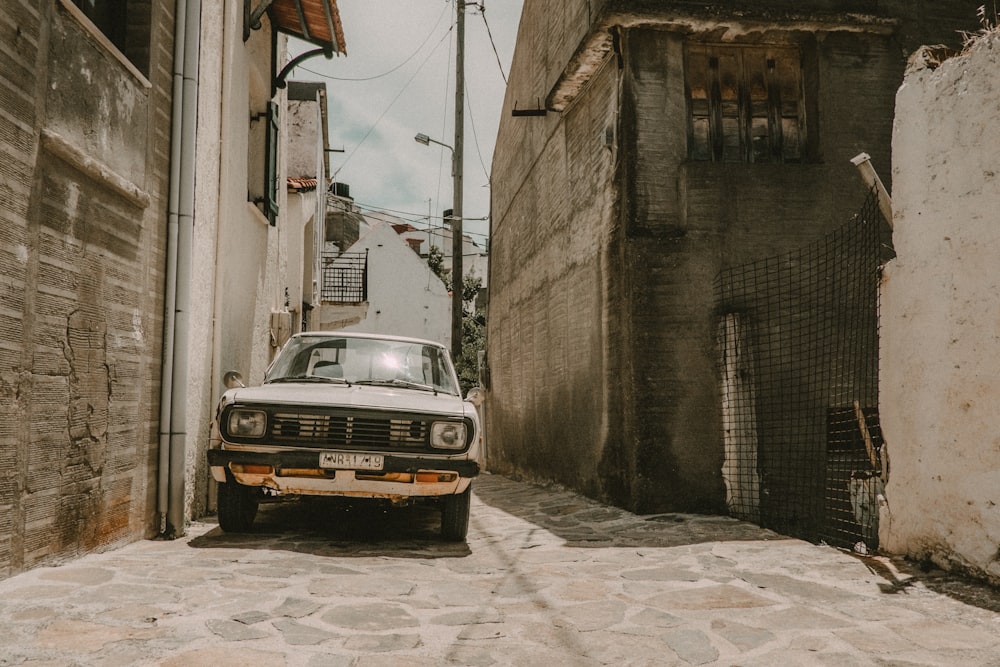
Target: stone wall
[
  {"x": 606, "y": 238},
  {"x": 84, "y": 140},
  {"x": 941, "y": 316}
]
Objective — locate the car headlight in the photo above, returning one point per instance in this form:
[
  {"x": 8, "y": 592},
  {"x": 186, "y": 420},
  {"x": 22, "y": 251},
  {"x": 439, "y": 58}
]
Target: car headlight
[
  {"x": 247, "y": 423},
  {"x": 448, "y": 435}
]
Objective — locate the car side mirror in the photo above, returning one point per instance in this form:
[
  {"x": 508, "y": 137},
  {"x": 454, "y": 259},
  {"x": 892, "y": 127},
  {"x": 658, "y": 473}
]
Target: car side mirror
[
  {"x": 232, "y": 380},
  {"x": 476, "y": 396}
]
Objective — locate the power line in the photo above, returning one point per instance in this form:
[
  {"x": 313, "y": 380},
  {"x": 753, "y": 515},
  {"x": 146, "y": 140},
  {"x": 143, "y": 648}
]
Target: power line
[
  {"x": 409, "y": 216},
  {"x": 415, "y": 216},
  {"x": 388, "y": 72},
  {"x": 475, "y": 136},
  {"x": 382, "y": 115},
  {"x": 482, "y": 12}
]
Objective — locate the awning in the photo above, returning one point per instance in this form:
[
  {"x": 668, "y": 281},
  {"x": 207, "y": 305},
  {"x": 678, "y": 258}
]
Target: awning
[{"x": 315, "y": 21}]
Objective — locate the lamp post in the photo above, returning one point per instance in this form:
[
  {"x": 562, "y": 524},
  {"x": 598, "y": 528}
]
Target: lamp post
[{"x": 457, "y": 308}]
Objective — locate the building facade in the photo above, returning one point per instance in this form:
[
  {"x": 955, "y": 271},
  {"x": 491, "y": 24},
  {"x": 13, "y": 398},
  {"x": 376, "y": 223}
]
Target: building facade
[
  {"x": 643, "y": 148},
  {"x": 85, "y": 129},
  {"x": 253, "y": 241},
  {"x": 143, "y": 253}
]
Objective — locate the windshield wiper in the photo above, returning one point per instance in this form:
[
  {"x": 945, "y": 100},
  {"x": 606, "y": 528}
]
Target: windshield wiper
[
  {"x": 399, "y": 383},
  {"x": 308, "y": 378}
]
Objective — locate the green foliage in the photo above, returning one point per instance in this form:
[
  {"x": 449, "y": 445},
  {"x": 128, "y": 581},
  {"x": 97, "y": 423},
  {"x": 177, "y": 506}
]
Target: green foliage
[
  {"x": 473, "y": 334},
  {"x": 435, "y": 260},
  {"x": 473, "y": 320}
]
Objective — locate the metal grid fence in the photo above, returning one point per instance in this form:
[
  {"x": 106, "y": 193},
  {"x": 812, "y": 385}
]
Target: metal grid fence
[
  {"x": 798, "y": 342},
  {"x": 345, "y": 277}
]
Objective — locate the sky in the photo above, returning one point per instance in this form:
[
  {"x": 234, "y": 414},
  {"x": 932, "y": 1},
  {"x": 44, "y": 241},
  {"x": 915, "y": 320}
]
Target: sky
[{"x": 397, "y": 80}]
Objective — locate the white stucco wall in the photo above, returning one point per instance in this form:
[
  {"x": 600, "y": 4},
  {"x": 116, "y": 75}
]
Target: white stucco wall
[
  {"x": 405, "y": 298},
  {"x": 940, "y": 366},
  {"x": 239, "y": 260}
]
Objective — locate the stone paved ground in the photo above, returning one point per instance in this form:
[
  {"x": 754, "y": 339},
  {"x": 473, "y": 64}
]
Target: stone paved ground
[{"x": 547, "y": 578}]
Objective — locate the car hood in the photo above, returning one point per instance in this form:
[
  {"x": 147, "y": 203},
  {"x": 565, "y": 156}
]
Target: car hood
[{"x": 353, "y": 396}]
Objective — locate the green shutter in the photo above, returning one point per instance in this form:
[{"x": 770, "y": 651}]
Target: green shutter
[{"x": 271, "y": 176}]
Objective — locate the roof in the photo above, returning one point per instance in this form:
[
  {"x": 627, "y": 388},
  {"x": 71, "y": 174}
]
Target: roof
[
  {"x": 301, "y": 184},
  {"x": 315, "y": 21}
]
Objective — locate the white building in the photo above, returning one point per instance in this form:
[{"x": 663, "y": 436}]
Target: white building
[
  {"x": 404, "y": 296},
  {"x": 475, "y": 258},
  {"x": 251, "y": 257}
]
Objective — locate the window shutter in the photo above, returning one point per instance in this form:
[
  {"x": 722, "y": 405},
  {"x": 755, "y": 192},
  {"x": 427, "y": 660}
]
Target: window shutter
[{"x": 271, "y": 176}]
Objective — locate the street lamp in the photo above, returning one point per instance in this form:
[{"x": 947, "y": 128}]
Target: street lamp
[{"x": 457, "y": 307}]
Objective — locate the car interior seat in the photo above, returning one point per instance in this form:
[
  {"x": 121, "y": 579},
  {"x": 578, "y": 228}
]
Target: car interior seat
[{"x": 328, "y": 369}]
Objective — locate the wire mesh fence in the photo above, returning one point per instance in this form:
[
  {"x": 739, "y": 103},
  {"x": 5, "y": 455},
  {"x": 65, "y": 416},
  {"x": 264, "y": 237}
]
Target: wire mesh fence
[
  {"x": 798, "y": 343},
  {"x": 345, "y": 277}
]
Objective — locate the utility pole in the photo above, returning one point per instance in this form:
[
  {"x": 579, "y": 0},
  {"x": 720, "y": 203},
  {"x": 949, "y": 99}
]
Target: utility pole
[{"x": 457, "y": 307}]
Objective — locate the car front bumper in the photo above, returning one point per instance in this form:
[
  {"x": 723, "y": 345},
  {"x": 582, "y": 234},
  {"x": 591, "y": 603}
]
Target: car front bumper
[{"x": 297, "y": 472}]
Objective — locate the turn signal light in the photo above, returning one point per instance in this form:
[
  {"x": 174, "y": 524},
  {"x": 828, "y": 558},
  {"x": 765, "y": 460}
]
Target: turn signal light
[
  {"x": 252, "y": 469},
  {"x": 433, "y": 477}
]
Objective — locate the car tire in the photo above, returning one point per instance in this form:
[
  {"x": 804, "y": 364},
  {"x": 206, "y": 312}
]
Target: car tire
[
  {"x": 237, "y": 506},
  {"x": 455, "y": 515}
]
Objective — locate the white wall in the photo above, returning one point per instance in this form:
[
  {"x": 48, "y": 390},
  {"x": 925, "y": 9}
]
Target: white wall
[
  {"x": 940, "y": 376},
  {"x": 239, "y": 260},
  {"x": 475, "y": 260},
  {"x": 405, "y": 297}
]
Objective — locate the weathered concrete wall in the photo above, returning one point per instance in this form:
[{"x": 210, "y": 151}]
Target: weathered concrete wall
[
  {"x": 550, "y": 349},
  {"x": 601, "y": 331},
  {"x": 689, "y": 219},
  {"x": 84, "y": 141},
  {"x": 940, "y": 308}
]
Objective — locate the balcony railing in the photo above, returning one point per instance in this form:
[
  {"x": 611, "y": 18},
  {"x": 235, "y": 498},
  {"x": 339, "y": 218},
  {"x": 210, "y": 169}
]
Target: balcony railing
[{"x": 345, "y": 277}]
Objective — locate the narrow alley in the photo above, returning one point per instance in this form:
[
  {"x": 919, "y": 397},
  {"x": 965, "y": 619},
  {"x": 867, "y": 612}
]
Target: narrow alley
[{"x": 547, "y": 578}]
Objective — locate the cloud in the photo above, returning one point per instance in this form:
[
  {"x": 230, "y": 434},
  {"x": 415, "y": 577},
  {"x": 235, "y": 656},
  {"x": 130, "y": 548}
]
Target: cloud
[{"x": 375, "y": 121}]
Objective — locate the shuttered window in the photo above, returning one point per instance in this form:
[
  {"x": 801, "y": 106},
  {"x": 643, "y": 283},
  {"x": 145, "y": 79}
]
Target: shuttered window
[
  {"x": 745, "y": 103},
  {"x": 271, "y": 174}
]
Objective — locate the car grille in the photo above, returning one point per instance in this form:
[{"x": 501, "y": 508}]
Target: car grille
[
  {"x": 335, "y": 429},
  {"x": 346, "y": 431}
]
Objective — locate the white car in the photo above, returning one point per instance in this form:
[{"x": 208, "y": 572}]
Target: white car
[{"x": 349, "y": 414}]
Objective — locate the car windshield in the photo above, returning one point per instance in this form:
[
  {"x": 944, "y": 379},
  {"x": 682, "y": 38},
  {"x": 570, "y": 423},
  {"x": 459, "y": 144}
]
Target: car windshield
[{"x": 407, "y": 364}]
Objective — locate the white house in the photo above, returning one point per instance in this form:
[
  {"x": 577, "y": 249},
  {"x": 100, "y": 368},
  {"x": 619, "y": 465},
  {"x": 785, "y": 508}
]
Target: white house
[
  {"x": 475, "y": 258},
  {"x": 252, "y": 244},
  {"x": 404, "y": 296}
]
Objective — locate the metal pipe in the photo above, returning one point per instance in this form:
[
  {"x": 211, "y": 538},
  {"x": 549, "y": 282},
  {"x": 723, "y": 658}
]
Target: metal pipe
[
  {"x": 170, "y": 288},
  {"x": 176, "y": 514},
  {"x": 863, "y": 162}
]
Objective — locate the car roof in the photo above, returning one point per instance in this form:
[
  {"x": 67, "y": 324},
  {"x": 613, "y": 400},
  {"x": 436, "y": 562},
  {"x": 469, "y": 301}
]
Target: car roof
[{"x": 370, "y": 336}]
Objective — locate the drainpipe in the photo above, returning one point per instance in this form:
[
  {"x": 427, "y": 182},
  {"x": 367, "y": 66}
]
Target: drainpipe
[
  {"x": 863, "y": 162},
  {"x": 180, "y": 223}
]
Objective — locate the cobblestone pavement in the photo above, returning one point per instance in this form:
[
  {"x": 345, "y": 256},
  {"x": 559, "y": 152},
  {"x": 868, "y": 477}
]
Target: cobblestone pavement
[{"x": 547, "y": 578}]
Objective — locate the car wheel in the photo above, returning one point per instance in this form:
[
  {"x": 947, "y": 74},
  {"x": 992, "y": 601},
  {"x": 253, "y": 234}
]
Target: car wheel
[
  {"x": 237, "y": 506},
  {"x": 455, "y": 515}
]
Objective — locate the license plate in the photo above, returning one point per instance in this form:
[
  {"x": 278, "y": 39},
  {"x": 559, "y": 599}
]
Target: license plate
[{"x": 350, "y": 461}]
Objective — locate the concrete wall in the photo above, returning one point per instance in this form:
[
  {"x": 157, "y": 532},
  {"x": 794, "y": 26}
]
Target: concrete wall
[
  {"x": 941, "y": 317},
  {"x": 551, "y": 344},
  {"x": 405, "y": 298},
  {"x": 84, "y": 141},
  {"x": 606, "y": 239},
  {"x": 687, "y": 220}
]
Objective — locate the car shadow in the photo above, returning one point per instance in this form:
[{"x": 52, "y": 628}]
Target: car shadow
[{"x": 341, "y": 527}]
